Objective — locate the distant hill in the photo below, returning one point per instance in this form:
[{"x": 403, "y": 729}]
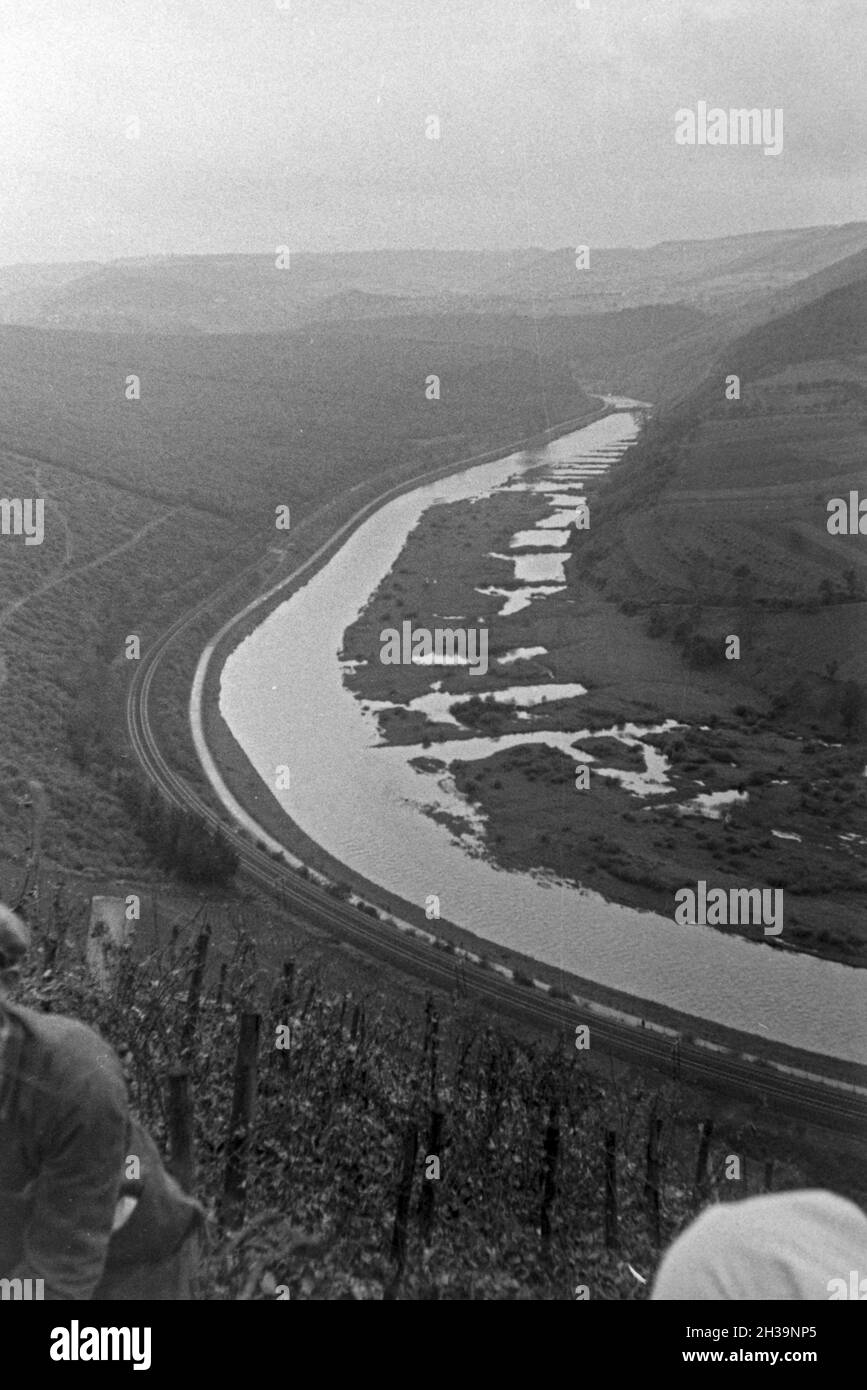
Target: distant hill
[
  {"x": 716, "y": 274},
  {"x": 240, "y": 293},
  {"x": 604, "y": 351},
  {"x": 248, "y": 293},
  {"x": 711, "y": 342},
  {"x": 25, "y": 290},
  {"x": 832, "y": 325}
]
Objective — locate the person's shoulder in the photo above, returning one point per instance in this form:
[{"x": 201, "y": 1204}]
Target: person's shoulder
[{"x": 72, "y": 1051}]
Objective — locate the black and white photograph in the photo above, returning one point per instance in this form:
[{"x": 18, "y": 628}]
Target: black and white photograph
[{"x": 433, "y": 667}]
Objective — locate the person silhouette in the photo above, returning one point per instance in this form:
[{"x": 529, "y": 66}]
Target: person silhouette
[{"x": 87, "y": 1210}]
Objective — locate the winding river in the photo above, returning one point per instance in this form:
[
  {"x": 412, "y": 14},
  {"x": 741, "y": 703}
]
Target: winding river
[{"x": 283, "y": 697}]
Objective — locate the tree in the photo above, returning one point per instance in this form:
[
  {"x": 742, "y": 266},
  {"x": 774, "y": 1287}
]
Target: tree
[
  {"x": 180, "y": 840},
  {"x": 853, "y": 706}
]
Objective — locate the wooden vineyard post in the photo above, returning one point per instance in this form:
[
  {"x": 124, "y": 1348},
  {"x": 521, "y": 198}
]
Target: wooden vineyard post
[
  {"x": 651, "y": 1177},
  {"x": 427, "y": 1201},
  {"x": 401, "y": 1211},
  {"x": 611, "y": 1235},
  {"x": 221, "y": 987},
  {"x": 188, "y": 1035},
  {"x": 241, "y": 1121},
  {"x": 288, "y": 984},
  {"x": 434, "y": 1052},
  {"x": 180, "y": 1121},
  {"x": 701, "y": 1173},
  {"x": 549, "y": 1180}
]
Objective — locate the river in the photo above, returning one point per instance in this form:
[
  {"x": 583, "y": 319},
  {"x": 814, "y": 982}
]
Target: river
[{"x": 283, "y": 697}]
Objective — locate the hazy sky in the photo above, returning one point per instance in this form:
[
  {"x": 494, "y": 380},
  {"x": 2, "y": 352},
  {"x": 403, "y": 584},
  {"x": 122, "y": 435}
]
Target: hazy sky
[{"x": 305, "y": 126}]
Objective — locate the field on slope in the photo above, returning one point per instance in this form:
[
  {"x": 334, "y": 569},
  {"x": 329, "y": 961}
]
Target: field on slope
[
  {"x": 242, "y": 423},
  {"x": 720, "y": 520},
  {"x": 716, "y": 529},
  {"x": 112, "y": 564},
  {"x": 150, "y": 503}
]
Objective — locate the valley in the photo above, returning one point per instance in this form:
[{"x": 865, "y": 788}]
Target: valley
[{"x": 796, "y": 814}]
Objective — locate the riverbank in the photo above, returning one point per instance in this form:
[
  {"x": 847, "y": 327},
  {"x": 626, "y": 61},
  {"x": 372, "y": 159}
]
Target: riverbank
[
  {"x": 784, "y": 826},
  {"x": 247, "y": 786}
]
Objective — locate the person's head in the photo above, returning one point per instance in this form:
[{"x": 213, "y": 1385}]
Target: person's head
[
  {"x": 801, "y": 1244},
  {"x": 14, "y": 944}
]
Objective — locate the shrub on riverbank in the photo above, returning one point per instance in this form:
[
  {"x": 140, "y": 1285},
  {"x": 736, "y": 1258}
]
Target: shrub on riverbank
[{"x": 180, "y": 841}]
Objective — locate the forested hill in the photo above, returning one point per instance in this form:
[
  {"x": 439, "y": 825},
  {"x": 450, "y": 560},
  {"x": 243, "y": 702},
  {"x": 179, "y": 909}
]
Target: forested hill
[
  {"x": 241, "y": 422},
  {"x": 718, "y": 520}
]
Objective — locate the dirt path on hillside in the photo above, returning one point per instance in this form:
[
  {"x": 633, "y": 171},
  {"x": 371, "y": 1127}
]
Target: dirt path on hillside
[{"x": 64, "y": 574}]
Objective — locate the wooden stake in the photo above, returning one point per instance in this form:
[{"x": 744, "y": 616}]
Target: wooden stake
[
  {"x": 434, "y": 1052},
  {"x": 549, "y": 1174},
  {"x": 701, "y": 1173},
  {"x": 651, "y": 1173},
  {"x": 288, "y": 984},
  {"x": 401, "y": 1212},
  {"x": 181, "y": 1129},
  {"x": 427, "y": 1201},
  {"x": 241, "y": 1122},
  {"x": 224, "y": 967},
  {"x": 188, "y": 1035},
  {"x": 612, "y": 1239}
]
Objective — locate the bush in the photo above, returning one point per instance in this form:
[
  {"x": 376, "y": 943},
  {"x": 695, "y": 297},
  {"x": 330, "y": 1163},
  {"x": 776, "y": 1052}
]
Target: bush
[{"x": 179, "y": 840}]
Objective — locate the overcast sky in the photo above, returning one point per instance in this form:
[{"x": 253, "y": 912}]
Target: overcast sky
[{"x": 305, "y": 126}]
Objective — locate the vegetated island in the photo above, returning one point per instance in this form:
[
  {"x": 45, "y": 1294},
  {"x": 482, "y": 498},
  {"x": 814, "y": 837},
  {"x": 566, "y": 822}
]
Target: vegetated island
[{"x": 637, "y": 851}]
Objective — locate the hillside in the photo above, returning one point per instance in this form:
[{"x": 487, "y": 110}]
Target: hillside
[
  {"x": 240, "y": 423},
  {"x": 676, "y": 372},
  {"x": 151, "y": 503},
  {"x": 721, "y": 514}
]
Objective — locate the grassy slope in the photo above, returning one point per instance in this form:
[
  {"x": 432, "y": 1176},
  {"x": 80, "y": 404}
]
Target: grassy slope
[
  {"x": 238, "y": 424},
  {"x": 151, "y": 503},
  {"x": 717, "y": 526},
  {"x": 724, "y": 508}
]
